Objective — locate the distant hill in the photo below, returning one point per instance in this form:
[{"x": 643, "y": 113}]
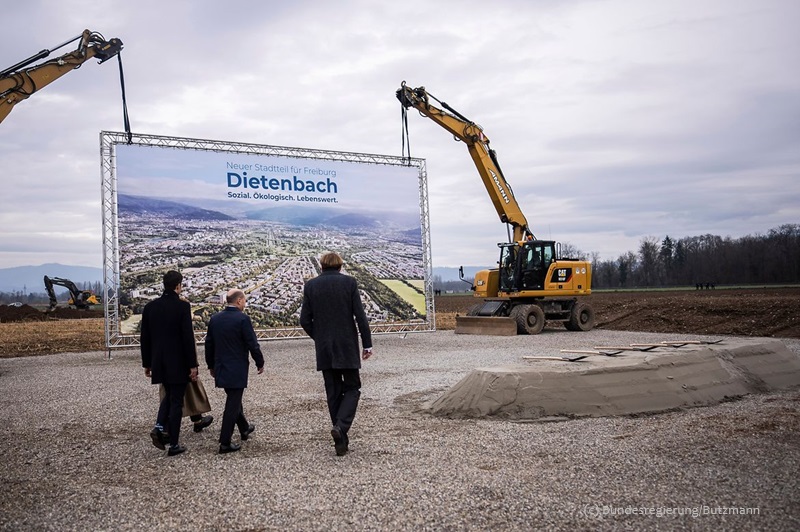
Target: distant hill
[
  {"x": 334, "y": 217},
  {"x": 29, "y": 279},
  {"x": 292, "y": 215},
  {"x": 352, "y": 220},
  {"x": 313, "y": 216},
  {"x": 179, "y": 211}
]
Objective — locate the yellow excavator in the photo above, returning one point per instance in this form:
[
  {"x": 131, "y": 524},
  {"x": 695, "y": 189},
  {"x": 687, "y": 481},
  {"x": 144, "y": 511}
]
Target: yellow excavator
[
  {"x": 532, "y": 283},
  {"x": 79, "y": 299},
  {"x": 20, "y": 81}
]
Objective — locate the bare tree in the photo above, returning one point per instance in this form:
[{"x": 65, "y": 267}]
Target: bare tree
[
  {"x": 648, "y": 271},
  {"x": 568, "y": 250},
  {"x": 627, "y": 266}
]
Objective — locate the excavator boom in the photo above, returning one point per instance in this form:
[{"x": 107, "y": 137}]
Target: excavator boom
[
  {"x": 21, "y": 80},
  {"x": 532, "y": 283},
  {"x": 484, "y": 157}
]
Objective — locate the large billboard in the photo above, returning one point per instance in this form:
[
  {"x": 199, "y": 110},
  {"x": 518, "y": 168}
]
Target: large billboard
[{"x": 232, "y": 215}]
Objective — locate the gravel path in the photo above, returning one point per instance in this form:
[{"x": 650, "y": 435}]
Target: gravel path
[{"x": 76, "y": 454}]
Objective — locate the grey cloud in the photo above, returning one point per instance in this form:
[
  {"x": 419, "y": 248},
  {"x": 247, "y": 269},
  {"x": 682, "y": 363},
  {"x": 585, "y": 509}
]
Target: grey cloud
[{"x": 603, "y": 151}]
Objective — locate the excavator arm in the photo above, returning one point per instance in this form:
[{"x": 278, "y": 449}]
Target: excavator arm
[
  {"x": 20, "y": 81},
  {"x": 482, "y": 155},
  {"x": 48, "y": 285},
  {"x": 532, "y": 284}
]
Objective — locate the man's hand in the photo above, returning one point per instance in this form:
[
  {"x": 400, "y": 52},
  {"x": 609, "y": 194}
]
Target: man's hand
[
  {"x": 148, "y": 373},
  {"x": 261, "y": 370},
  {"x": 366, "y": 353},
  {"x": 193, "y": 374}
]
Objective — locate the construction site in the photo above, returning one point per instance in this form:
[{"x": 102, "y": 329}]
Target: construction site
[
  {"x": 534, "y": 402},
  {"x": 459, "y": 431}
]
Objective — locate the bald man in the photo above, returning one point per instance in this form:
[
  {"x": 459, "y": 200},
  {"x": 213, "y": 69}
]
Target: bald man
[{"x": 229, "y": 339}]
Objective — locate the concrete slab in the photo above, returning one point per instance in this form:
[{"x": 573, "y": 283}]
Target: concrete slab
[{"x": 635, "y": 382}]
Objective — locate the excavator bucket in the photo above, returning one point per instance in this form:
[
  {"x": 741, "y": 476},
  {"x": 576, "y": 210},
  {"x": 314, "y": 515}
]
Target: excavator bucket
[{"x": 486, "y": 325}]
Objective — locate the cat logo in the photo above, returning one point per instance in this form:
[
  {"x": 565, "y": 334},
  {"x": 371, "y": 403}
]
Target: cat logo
[{"x": 562, "y": 275}]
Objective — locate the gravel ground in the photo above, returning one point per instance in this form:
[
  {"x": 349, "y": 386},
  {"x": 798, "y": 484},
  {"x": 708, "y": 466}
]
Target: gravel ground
[{"x": 77, "y": 456}]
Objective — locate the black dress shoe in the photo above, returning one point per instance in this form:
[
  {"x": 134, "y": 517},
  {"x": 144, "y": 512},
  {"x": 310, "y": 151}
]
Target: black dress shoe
[
  {"x": 203, "y": 423},
  {"x": 246, "y": 434},
  {"x": 231, "y": 448},
  {"x": 339, "y": 441},
  {"x": 158, "y": 438},
  {"x": 176, "y": 449}
]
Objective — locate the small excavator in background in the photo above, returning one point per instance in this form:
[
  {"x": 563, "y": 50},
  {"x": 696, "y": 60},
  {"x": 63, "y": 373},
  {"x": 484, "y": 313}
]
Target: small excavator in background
[
  {"x": 533, "y": 283},
  {"x": 79, "y": 299},
  {"x": 18, "y": 82}
]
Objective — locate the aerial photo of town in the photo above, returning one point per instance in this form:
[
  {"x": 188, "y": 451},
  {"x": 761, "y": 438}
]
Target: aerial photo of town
[
  {"x": 269, "y": 260},
  {"x": 261, "y": 223}
]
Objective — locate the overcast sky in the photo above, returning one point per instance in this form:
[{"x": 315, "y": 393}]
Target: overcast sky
[{"x": 612, "y": 120}]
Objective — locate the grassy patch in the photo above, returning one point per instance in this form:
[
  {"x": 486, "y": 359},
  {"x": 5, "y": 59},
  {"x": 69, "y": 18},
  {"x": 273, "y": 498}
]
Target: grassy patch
[
  {"x": 406, "y": 293},
  {"x": 419, "y": 284}
]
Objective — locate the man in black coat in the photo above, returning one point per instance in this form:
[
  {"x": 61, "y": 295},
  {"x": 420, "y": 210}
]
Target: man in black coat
[
  {"x": 169, "y": 356},
  {"x": 331, "y": 301},
  {"x": 230, "y": 337}
]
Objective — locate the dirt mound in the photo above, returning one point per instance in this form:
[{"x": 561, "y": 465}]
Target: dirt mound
[{"x": 9, "y": 313}]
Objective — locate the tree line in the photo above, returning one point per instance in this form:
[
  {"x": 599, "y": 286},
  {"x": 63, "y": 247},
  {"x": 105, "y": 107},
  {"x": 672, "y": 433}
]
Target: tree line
[{"x": 706, "y": 260}]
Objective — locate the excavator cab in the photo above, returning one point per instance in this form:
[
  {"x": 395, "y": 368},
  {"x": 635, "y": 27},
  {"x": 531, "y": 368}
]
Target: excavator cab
[
  {"x": 524, "y": 266},
  {"x": 508, "y": 267}
]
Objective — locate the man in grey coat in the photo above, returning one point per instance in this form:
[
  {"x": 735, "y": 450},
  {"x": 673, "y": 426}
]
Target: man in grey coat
[
  {"x": 331, "y": 301},
  {"x": 229, "y": 339}
]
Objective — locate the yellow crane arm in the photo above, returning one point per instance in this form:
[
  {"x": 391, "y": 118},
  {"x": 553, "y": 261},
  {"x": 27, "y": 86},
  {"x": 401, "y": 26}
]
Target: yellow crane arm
[
  {"x": 478, "y": 145},
  {"x": 20, "y": 81}
]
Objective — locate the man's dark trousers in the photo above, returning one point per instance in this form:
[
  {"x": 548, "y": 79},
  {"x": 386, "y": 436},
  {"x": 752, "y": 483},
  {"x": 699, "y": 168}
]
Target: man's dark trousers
[
  {"x": 343, "y": 388},
  {"x": 233, "y": 415},
  {"x": 170, "y": 410}
]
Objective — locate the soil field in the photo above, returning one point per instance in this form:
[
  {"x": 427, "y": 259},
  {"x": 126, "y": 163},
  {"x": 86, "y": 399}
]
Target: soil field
[
  {"x": 739, "y": 312},
  {"x": 771, "y": 312}
]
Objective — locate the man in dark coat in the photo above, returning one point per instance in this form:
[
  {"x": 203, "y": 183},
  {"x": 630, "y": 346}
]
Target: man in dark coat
[
  {"x": 230, "y": 337},
  {"x": 169, "y": 356},
  {"x": 331, "y": 301}
]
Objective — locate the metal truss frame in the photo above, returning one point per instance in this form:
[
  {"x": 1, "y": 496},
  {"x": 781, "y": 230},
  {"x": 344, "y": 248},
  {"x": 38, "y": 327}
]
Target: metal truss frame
[{"x": 115, "y": 339}]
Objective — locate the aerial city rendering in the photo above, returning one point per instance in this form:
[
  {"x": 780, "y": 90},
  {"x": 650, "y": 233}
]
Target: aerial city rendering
[{"x": 268, "y": 251}]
